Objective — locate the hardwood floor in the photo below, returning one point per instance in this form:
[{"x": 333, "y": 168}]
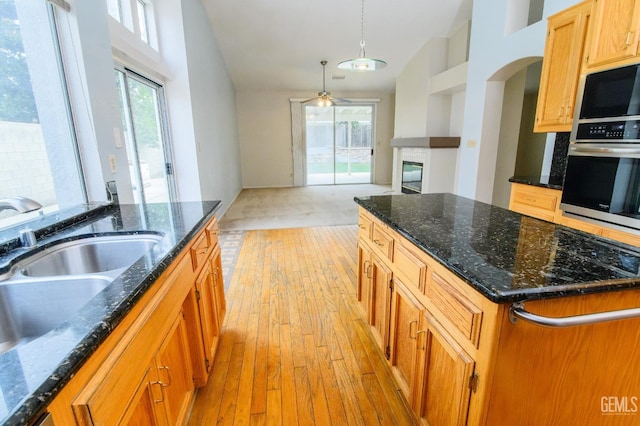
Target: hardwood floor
[{"x": 294, "y": 348}]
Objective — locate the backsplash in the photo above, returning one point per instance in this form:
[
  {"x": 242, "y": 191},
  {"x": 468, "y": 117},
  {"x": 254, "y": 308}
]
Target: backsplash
[{"x": 559, "y": 160}]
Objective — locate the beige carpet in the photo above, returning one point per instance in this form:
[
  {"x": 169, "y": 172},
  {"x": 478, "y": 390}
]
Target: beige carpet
[{"x": 298, "y": 207}]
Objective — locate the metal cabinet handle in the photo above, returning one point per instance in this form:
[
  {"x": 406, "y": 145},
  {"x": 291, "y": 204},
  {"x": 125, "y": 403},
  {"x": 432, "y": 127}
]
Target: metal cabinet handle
[
  {"x": 378, "y": 243},
  {"x": 164, "y": 385},
  {"x": 517, "y": 311},
  {"x": 202, "y": 250},
  {"x": 418, "y": 334},
  {"x": 367, "y": 268},
  {"x": 416, "y": 323},
  {"x": 157, "y": 401}
]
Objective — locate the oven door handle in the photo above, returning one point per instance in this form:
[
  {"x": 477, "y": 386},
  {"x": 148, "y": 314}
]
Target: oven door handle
[{"x": 604, "y": 150}]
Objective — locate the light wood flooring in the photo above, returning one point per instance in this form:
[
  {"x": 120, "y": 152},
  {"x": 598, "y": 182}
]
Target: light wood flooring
[{"x": 294, "y": 349}]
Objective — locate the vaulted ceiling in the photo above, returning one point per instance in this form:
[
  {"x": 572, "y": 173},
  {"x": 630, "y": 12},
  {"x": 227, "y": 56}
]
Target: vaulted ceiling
[{"x": 278, "y": 44}]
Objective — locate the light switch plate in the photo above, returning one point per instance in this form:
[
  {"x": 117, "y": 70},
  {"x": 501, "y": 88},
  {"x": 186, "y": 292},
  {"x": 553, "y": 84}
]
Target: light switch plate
[{"x": 117, "y": 137}]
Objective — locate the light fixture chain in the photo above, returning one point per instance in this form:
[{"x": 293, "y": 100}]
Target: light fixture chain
[{"x": 362, "y": 54}]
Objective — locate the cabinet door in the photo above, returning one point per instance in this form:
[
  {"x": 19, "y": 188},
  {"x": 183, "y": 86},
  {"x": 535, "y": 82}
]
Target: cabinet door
[
  {"x": 380, "y": 300},
  {"x": 147, "y": 407},
  {"x": 406, "y": 311},
  {"x": 363, "y": 290},
  {"x": 564, "y": 50},
  {"x": 444, "y": 392},
  {"x": 218, "y": 287},
  {"x": 174, "y": 372},
  {"x": 615, "y": 33},
  {"x": 207, "y": 311}
]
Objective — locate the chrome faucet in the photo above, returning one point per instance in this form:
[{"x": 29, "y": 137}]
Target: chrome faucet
[{"x": 19, "y": 204}]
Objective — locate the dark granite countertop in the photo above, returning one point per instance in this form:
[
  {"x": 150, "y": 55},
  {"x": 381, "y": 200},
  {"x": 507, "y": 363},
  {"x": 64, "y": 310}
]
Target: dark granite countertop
[
  {"x": 32, "y": 374},
  {"x": 552, "y": 182},
  {"x": 507, "y": 256}
]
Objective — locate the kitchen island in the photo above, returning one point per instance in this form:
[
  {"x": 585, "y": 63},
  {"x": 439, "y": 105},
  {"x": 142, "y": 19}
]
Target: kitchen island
[
  {"x": 31, "y": 375},
  {"x": 447, "y": 285}
]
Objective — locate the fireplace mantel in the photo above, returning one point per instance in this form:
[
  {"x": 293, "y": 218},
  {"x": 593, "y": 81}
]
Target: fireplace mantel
[{"x": 427, "y": 142}]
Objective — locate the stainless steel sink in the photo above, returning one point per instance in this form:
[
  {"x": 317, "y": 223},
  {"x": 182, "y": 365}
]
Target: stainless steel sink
[
  {"x": 88, "y": 255},
  {"x": 45, "y": 289},
  {"x": 29, "y": 309}
]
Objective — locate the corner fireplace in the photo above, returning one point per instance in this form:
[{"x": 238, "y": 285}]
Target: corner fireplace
[{"x": 411, "y": 177}]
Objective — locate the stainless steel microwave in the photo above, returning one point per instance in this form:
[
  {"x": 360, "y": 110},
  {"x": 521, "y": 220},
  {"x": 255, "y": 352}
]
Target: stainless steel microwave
[{"x": 602, "y": 178}]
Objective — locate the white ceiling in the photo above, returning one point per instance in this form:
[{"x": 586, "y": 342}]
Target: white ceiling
[{"x": 278, "y": 44}]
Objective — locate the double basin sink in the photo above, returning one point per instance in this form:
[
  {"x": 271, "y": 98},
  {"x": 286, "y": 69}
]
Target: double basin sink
[{"x": 43, "y": 290}]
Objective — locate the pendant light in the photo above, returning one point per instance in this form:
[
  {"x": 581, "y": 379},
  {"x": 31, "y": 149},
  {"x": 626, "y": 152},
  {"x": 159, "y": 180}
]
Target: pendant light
[{"x": 362, "y": 63}]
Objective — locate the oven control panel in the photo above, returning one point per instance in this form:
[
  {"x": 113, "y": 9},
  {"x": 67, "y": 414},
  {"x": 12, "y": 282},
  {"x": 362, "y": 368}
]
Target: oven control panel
[{"x": 625, "y": 131}]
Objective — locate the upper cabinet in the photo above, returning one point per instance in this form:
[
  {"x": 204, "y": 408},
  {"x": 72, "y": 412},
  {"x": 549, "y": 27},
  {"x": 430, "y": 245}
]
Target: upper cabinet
[
  {"x": 564, "y": 50},
  {"x": 614, "y": 36}
]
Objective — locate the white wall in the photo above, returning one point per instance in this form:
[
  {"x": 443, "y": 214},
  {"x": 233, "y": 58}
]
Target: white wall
[
  {"x": 213, "y": 106},
  {"x": 493, "y": 58},
  {"x": 414, "y": 104},
  {"x": 508, "y": 139},
  {"x": 264, "y": 123}
]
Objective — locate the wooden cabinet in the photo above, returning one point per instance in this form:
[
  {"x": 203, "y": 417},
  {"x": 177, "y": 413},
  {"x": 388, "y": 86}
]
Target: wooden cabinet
[
  {"x": 535, "y": 201},
  {"x": 380, "y": 295},
  {"x": 446, "y": 378},
  {"x": 614, "y": 34},
  {"x": 458, "y": 359},
  {"x": 406, "y": 311},
  {"x": 146, "y": 370},
  {"x": 164, "y": 396},
  {"x": 174, "y": 373},
  {"x": 563, "y": 57},
  {"x": 427, "y": 324}
]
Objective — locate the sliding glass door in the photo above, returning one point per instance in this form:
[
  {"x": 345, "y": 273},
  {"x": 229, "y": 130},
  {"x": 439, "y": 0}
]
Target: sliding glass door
[
  {"x": 339, "y": 144},
  {"x": 146, "y": 140}
]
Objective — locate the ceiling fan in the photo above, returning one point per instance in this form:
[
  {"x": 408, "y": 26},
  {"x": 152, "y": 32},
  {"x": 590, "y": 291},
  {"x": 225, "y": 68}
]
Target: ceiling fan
[{"x": 324, "y": 98}]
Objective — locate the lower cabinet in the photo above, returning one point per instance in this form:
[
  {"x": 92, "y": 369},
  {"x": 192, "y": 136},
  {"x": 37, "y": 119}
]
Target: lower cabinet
[
  {"x": 445, "y": 372},
  {"x": 406, "y": 311},
  {"x": 146, "y": 371},
  {"x": 165, "y": 393},
  {"x": 380, "y": 293},
  {"x": 428, "y": 326},
  {"x": 205, "y": 308}
]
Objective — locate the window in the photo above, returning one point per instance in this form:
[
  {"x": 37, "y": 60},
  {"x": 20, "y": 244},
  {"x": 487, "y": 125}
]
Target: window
[
  {"x": 142, "y": 21},
  {"x": 115, "y": 9},
  {"x": 137, "y": 17},
  {"x": 38, "y": 150}
]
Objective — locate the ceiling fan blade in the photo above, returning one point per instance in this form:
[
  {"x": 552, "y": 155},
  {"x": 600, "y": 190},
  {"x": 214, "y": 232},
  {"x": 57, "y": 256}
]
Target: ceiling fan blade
[
  {"x": 346, "y": 101},
  {"x": 309, "y": 100}
]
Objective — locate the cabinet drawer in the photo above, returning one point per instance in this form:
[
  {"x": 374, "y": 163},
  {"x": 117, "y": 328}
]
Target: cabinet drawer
[
  {"x": 365, "y": 225},
  {"x": 544, "y": 201},
  {"x": 460, "y": 312},
  {"x": 199, "y": 251},
  {"x": 382, "y": 241},
  {"x": 212, "y": 230},
  {"x": 409, "y": 267}
]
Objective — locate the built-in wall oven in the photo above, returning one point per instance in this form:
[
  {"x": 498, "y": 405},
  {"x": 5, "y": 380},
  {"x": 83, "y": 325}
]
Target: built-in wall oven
[{"x": 602, "y": 178}]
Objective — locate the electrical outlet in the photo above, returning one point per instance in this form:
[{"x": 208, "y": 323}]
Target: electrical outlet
[{"x": 112, "y": 163}]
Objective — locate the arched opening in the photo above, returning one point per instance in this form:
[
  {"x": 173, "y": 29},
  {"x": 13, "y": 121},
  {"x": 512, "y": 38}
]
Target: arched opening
[{"x": 509, "y": 145}]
